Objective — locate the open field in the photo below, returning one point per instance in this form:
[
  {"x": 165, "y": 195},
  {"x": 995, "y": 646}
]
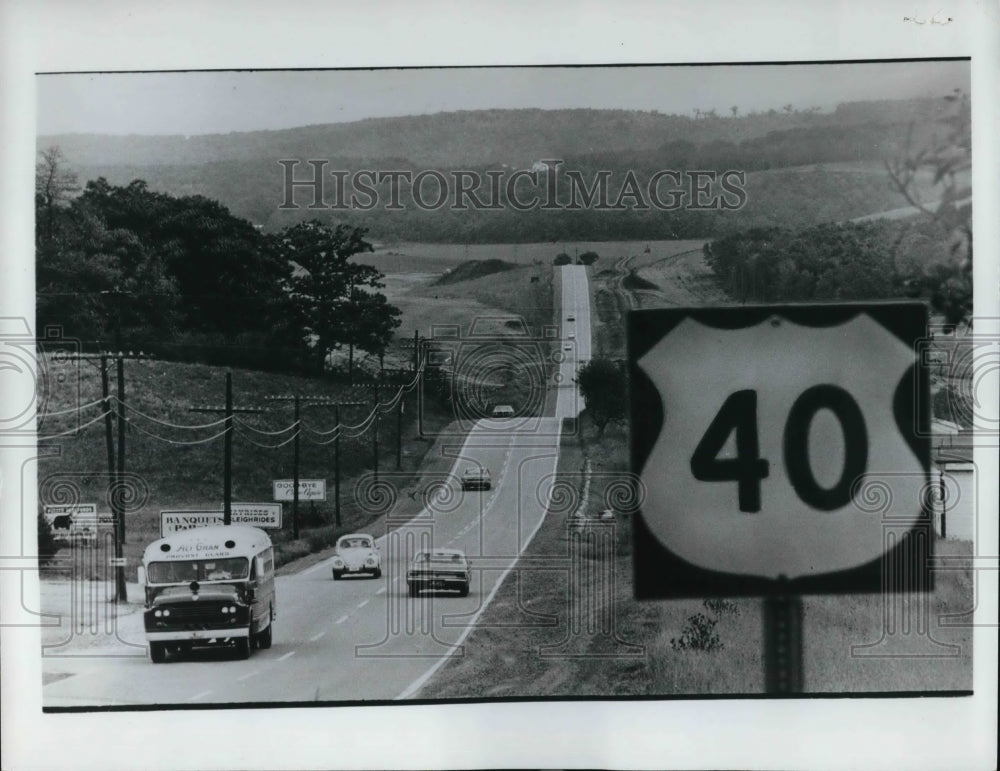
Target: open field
[{"x": 436, "y": 258}]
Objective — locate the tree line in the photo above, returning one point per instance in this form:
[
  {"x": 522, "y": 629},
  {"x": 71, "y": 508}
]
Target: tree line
[{"x": 182, "y": 277}]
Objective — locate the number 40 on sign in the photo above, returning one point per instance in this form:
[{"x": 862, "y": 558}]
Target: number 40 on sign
[{"x": 762, "y": 433}]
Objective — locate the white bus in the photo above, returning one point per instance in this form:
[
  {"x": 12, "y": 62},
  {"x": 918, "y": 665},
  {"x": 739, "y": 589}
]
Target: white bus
[{"x": 209, "y": 586}]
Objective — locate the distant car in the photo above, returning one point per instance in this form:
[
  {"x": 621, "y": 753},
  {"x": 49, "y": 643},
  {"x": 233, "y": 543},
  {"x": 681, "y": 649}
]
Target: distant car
[
  {"x": 571, "y": 317},
  {"x": 567, "y": 347},
  {"x": 571, "y": 335},
  {"x": 476, "y": 479},
  {"x": 356, "y": 554},
  {"x": 439, "y": 569},
  {"x": 503, "y": 411}
]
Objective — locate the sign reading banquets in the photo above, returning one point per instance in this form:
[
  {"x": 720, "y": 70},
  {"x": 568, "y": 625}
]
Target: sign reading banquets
[
  {"x": 780, "y": 446},
  {"x": 309, "y": 489},
  {"x": 264, "y": 515}
]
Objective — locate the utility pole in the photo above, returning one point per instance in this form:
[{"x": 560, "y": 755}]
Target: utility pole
[
  {"x": 336, "y": 466},
  {"x": 108, "y": 433},
  {"x": 295, "y": 471},
  {"x": 378, "y": 420},
  {"x": 116, "y": 470},
  {"x": 299, "y": 403},
  {"x": 227, "y": 459}
]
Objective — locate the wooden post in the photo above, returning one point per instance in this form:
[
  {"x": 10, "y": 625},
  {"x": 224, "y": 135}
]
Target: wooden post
[
  {"x": 336, "y": 466},
  {"x": 295, "y": 473},
  {"x": 399, "y": 435},
  {"x": 118, "y": 512},
  {"x": 227, "y": 489}
]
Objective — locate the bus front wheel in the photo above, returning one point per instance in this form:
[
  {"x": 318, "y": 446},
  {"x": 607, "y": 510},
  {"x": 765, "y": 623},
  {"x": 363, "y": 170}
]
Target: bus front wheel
[
  {"x": 158, "y": 652},
  {"x": 264, "y": 638}
]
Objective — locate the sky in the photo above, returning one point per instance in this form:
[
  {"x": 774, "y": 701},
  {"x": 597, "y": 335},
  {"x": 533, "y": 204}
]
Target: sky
[{"x": 201, "y": 102}]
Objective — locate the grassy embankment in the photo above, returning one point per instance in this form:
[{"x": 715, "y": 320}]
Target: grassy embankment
[
  {"x": 511, "y": 654},
  {"x": 175, "y": 469}
]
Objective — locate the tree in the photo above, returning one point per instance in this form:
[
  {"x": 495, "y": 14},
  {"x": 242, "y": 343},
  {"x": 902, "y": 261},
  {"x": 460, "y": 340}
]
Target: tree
[
  {"x": 335, "y": 299},
  {"x": 946, "y": 284},
  {"x": 589, "y": 258},
  {"x": 230, "y": 283},
  {"x": 602, "y": 383},
  {"x": 562, "y": 259},
  {"x": 53, "y": 186}
]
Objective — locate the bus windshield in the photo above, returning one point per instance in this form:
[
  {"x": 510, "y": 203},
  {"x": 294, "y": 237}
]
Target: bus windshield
[{"x": 197, "y": 570}]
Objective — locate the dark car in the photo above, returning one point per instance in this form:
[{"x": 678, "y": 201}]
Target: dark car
[{"x": 439, "y": 569}]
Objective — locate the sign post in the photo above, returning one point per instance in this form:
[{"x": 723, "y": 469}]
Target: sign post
[{"x": 760, "y": 434}]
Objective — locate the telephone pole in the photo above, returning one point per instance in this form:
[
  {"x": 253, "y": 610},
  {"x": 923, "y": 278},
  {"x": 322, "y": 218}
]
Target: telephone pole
[
  {"x": 116, "y": 470},
  {"x": 299, "y": 403},
  {"x": 228, "y": 410}
]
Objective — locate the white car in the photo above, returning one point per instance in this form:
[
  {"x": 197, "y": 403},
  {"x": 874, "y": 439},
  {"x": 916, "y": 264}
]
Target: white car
[
  {"x": 503, "y": 411},
  {"x": 356, "y": 554}
]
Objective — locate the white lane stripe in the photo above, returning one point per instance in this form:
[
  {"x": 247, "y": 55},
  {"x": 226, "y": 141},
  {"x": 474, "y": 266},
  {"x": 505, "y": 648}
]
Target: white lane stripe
[
  {"x": 419, "y": 683},
  {"x": 287, "y": 656},
  {"x": 199, "y": 695},
  {"x": 315, "y": 637},
  {"x": 362, "y": 604},
  {"x": 248, "y": 675},
  {"x": 342, "y": 619},
  {"x": 382, "y": 590}
]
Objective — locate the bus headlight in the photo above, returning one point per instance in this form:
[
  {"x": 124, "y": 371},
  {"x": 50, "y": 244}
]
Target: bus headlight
[
  {"x": 157, "y": 613},
  {"x": 225, "y": 609},
  {"x": 166, "y": 611}
]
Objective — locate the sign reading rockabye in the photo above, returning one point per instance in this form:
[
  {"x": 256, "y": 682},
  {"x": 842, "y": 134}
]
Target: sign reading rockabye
[{"x": 762, "y": 435}]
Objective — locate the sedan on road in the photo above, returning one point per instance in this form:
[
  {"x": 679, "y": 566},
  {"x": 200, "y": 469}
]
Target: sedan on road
[
  {"x": 446, "y": 569},
  {"x": 476, "y": 479},
  {"x": 356, "y": 554}
]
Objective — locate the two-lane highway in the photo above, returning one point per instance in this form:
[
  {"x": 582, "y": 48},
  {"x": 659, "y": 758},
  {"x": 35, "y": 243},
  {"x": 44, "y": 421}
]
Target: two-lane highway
[{"x": 366, "y": 639}]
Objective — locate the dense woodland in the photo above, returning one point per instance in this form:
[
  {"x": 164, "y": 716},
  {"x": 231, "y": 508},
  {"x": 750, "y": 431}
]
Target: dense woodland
[{"x": 183, "y": 278}]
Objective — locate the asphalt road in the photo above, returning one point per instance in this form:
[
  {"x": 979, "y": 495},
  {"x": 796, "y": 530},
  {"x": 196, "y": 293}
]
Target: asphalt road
[
  {"x": 575, "y": 338},
  {"x": 365, "y": 639}
]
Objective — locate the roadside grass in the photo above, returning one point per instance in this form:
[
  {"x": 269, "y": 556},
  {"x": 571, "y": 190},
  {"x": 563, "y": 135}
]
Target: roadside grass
[{"x": 513, "y": 653}]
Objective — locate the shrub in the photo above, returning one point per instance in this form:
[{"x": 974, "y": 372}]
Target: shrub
[
  {"x": 698, "y": 635},
  {"x": 47, "y": 546}
]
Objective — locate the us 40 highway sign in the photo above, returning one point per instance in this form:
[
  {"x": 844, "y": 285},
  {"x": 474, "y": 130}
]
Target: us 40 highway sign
[{"x": 780, "y": 446}]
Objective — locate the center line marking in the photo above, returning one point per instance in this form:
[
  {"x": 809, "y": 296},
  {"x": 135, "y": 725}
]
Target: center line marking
[
  {"x": 287, "y": 655},
  {"x": 381, "y": 591},
  {"x": 199, "y": 695},
  {"x": 342, "y": 619},
  {"x": 248, "y": 675},
  {"x": 315, "y": 637},
  {"x": 361, "y": 605}
]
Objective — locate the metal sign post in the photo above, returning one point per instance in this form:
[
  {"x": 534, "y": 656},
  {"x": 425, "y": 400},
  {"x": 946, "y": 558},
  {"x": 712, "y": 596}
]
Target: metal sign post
[{"x": 783, "y": 642}]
